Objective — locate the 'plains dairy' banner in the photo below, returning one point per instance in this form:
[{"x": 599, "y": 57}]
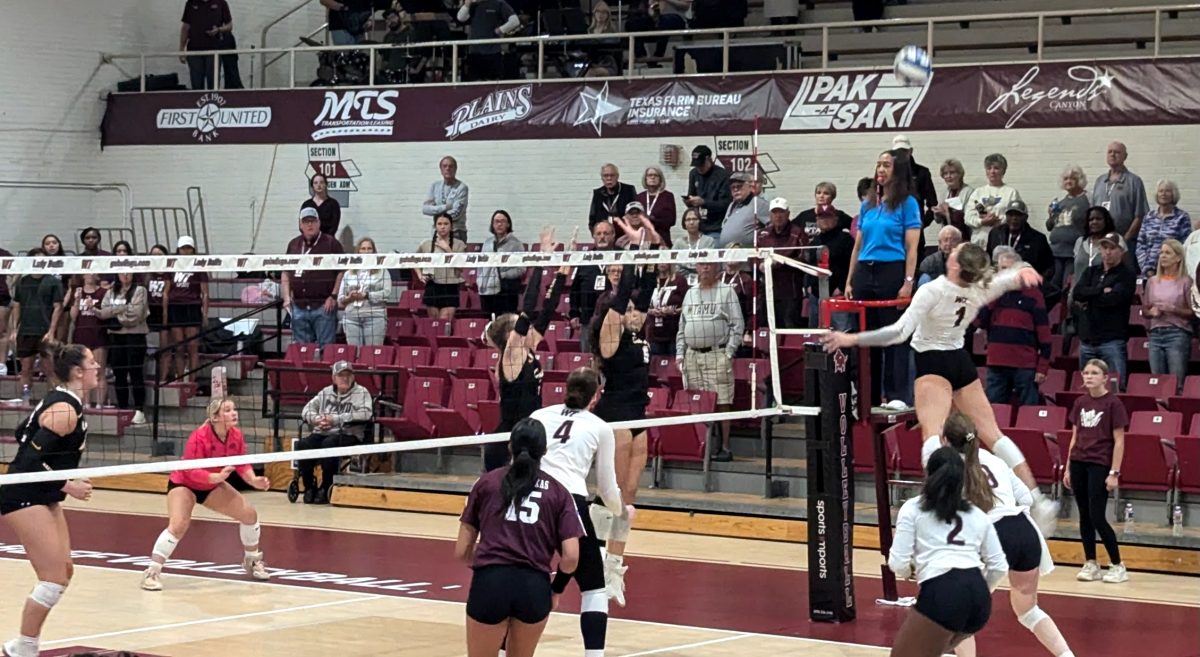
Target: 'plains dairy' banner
[{"x": 1051, "y": 95}]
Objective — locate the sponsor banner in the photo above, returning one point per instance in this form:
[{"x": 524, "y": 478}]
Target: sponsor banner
[{"x": 1049, "y": 95}]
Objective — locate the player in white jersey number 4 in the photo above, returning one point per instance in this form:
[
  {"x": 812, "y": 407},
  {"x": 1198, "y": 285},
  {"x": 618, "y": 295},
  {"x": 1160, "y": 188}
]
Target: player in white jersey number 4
[{"x": 936, "y": 320}]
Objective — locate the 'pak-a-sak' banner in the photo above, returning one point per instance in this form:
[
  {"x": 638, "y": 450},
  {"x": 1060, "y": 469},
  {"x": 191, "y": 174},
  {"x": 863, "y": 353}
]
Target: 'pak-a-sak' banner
[{"x": 1048, "y": 95}]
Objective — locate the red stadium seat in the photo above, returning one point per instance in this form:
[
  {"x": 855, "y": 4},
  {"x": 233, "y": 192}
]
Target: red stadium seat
[
  {"x": 452, "y": 358},
  {"x": 567, "y": 361},
  {"x": 413, "y": 357},
  {"x": 432, "y": 328},
  {"x": 412, "y": 300},
  {"x": 1191, "y": 385},
  {"x": 1139, "y": 403},
  {"x": 555, "y": 331},
  {"x": 1145, "y": 466},
  {"x": 470, "y": 328},
  {"x": 375, "y": 356},
  {"x": 553, "y": 393},
  {"x": 1003, "y": 413},
  {"x": 380, "y": 381},
  {"x": 420, "y": 393},
  {"x": 1042, "y": 419},
  {"x": 485, "y": 358},
  {"x": 694, "y": 402},
  {"x": 1056, "y": 381},
  {"x": 1043, "y": 462},
  {"x": 685, "y": 442},
  {"x": 1187, "y": 451},
  {"x": 489, "y": 414},
  {"x": 660, "y": 399},
  {"x": 461, "y": 416},
  {"x": 1138, "y": 350},
  {"x": 979, "y": 344},
  {"x": 1195, "y": 430},
  {"x": 290, "y": 386},
  {"x": 1137, "y": 322},
  {"x": 1161, "y": 424},
  {"x": 1157, "y": 386},
  {"x": 332, "y": 353},
  {"x": 905, "y": 443},
  {"x": 567, "y": 345}
]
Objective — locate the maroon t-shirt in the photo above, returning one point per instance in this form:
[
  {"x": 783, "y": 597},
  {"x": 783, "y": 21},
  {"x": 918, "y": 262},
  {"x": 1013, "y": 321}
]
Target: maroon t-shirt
[
  {"x": 529, "y": 532},
  {"x": 315, "y": 285},
  {"x": 1095, "y": 419},
  {"x": 185, "y": 288},
  {"x": 88, "y": 331},
  {"x": 156, "y": 286},
  {"x": 663, "y": 328}
]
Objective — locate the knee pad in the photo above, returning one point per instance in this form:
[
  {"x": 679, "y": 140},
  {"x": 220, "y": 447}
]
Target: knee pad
[
  {"x": 602, "y": 521},
  {"x": 593, "y": 601},
  {"x": 931, "y": 445},
  {"x": 619, "y": 531},
  {"x": 1008, "y": 452},
  {"x": 47, "y": 594},
  {"x": 250, "y": 534},
  {"x": 165, "y": 544},
  {"x": 1031, "y": 618}
]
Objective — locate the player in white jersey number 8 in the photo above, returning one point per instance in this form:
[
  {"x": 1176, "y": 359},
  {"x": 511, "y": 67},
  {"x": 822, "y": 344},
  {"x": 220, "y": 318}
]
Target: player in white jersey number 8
[{"x": 946, "y": 376}]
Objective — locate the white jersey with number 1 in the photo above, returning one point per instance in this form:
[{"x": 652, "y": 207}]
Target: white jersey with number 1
[{"x": 573, "y": 439}]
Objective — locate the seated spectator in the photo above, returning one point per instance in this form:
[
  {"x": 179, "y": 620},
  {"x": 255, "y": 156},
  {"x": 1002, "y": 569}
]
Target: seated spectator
[
  {"x": 1165, "y": 222},
  {"x": 985, "y": 208},
  {"x": 1167, "y": 303},
  {"x": 1018, "y": 330},
  {"x": 611, "y": 198},
  {"x": 589, "y": 284},
  {"x": 950, "y": 211},
  {"x": 309, "y": 297},
  {"x": 934, "y": 264},
  {"x": 401, "y": 65},
  {"x": 500, "y": 287},
  {"x": 788, "y": 289},
  {"x": 449, "y": 196},
  {"x": 338, "y": 416},
  {"x": 603, "y": 21},
  {"x": 363, "y": 298},
  {"x": 1102, "y": 299},
  {"x": 659, "y": 203},
  {"x": 839, "y": 244},
  {"x": 329, "y": 211},
  {"x": 442, "y": 284},
  {"x": 1067, "y": 223},
  {"x": 745, "y": 214},
  {"x": 1030, "y": 243},
  {"x": 126, "y": 302},
  {"x": 36, "y": 312},
  {"x": 708, "y": 190},
  {"x": 823, "y": 196},
  {"x": 662, "y": 321},
  {"x": 1087, "y": 248}
]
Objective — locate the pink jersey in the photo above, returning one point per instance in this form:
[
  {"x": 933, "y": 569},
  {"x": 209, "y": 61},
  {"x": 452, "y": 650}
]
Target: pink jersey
[{"x": 204, "y": 444}]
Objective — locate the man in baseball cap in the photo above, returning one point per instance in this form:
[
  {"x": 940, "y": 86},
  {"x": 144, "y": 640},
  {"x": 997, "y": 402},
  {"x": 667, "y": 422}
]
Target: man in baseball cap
[
  {"x": 923, "y": 188},
  {"x": 338, "y": 416},
  {"x": 745, "y": 214},
  {"x": 708, "y": 191},
  {"x": 780, "y": 234},
  {"x": 1031, "y": 244},
  {"x": 1104, "y": 293}
]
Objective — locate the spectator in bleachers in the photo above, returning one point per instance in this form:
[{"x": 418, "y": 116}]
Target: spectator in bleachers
[
  {"x": 840, "y": 244},
  {"x": 309, "y": 297},
  {"x": 449, "y": 196},
  {"x": 401, "y": 65},
  {"x": 662, "y": 320},
  {"x": 328, "y": 209},
  {"x": 611, "y": 198},
  {"x": 709, "y": 14},
  {"x": 348, "y": 20},
  {"x": 934, "y": 264},
  {"x": 338, "y": 416},
  {"x": 743, "y": 286},
  {"x": 125, "y": 302},
  {"x": 710, "y": 329},
  {"x": 1191, "y": 262},
  {"x": 5, "y": 309},
  {"x": 84, "y": 304},
  {"x": 1067, "y": 223},
  {"x": 1102, "y": 299},
  {"x": 985, "y": 207},
  {"x": 36, "y": 312},
  {"x": 603, "y": 21},
  {"x": 1124, "y": 195},
  {"x": 500, "y": 287},
  {"x": 780, "y": 233},
  {"x": 951, "y": 211},
  {"x": 363, "y": 297},
  {"x": 487, "y": 19},
  {"x": 883, "y": 266},
  {"x": 1087, "y": 248},
  {"x": 1018, "y": 331},
  {"x": 923, "y": 188},
  {"x": 708, "y": 190},
  {"x": 208, "y": 26},
  {"x": 187, "y": 311},
  {"x": 1165, "y": 222},
  {"x": 782, "y": 12},
  {"x": 122, "y": 248},
  {"x": 867, "y": 193},
  {"x": 635, "y": 214},
  {"x": 1167, "y": 303},
  {"x": 52, "y": 247},
  {"x": 745, "y": 214},
  {"x": 823, "y": 196},
  {"x": 90, "y": 237},
  {"x": 1028, "y": 241},
  {"x": 659, "y": 203},
  {"x": 693, "y": 239},
  {"x": 443, "y": 284},
  {"x": 589, "y": 284},
  {"x": 156, "y": 283}
]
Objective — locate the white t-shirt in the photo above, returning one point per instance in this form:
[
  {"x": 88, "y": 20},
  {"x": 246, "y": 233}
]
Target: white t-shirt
[
  {"x": 573, "y": 439},
  {"x": 940, "y": 313},
  {"x": 991, "y": 199},
  {"x": 937, "y": 547}
]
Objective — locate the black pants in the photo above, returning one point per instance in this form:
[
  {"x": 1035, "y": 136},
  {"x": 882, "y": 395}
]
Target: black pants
[
  {"x": 877, "y": 281},
  {"x": 127, "y": 357},
  {"x": 1091, "y": 497},
  {"x": 202, "y": 72},
  {"x": 481, "y": 67},
  {"x": 329, "y": 466}
]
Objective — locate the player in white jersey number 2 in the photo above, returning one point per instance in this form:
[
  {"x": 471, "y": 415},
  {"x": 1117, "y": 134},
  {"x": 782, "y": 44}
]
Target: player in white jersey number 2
[
  {"x": 937, "y": 319},
  {"x": 574, "y": 439}
]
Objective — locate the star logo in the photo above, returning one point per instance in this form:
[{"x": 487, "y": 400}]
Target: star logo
[
  {"x": 595, "y": 107},
  {"x": 206, "y": 118},
  {"x": 1105, "y": 79},
  {"x": 840, "y": 360}
]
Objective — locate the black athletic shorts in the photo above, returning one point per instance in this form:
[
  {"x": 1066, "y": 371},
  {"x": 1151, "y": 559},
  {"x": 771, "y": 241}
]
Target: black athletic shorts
[
  {"x": 201, "y": 495},
  {"x": 954, "y": 365},
  {"x": 441, "y": 295},
  {"x": 22, "y": 496},
  {"x": 616, "y": 408},
  {"x": 1020, "y": 541},
  {"x": 501, "y": 592},
  {"x": 28, "y": 346},
  {"x": 184, "y": 315},
  {"x": 957, "y": 600},
  {"x": 589, "y": 574}
]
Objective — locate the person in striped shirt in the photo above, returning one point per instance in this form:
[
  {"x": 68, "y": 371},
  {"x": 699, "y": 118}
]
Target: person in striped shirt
[{"x": 1018, "y": 330}]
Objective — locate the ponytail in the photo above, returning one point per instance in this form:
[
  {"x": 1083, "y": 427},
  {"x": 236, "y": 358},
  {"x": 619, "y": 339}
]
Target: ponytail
[
  {"x": 62, "y": 358},
  {"x": 943, "y": 490},
  {"x": 959, "y": 433},
  {"x": 527, "y": 443}
]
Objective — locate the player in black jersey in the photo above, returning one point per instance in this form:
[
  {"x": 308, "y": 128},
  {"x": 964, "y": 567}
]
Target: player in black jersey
[
  {"x": 51, "y": 438},
  {"x": 517, "y": 336}
]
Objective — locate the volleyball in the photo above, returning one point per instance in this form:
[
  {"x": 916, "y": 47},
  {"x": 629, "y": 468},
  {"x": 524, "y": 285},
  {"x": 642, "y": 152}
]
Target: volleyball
[{"x": 912, "y": 66}]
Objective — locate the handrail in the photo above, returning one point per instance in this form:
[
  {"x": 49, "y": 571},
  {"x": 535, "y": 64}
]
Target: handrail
[
  {"x": 267, "y": 28},
  {"x": 300, "y": 42},
  {"x": 121, "y": 188}
]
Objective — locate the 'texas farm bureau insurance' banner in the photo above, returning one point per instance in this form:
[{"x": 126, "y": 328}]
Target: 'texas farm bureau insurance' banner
[{"x": 1134, "y": 92}]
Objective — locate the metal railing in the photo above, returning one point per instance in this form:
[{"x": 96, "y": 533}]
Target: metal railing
[
  {"x": 727, "y": 38},
  {"x": 163, "y": 224}
]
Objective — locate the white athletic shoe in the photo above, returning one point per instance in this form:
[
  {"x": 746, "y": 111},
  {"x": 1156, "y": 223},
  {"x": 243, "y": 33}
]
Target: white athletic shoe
[
  {"x": 1045, "y": 515},
  {"x": 1089, "y": 573},
  {"x": 256, "y": 567},
  {"x": 139, "y": 417},
  {"x": 614, "y": 577},
  {"x": 1116, "y": 574},
  {"x": 151, "y": 580},
  {"x": 898, "y": 406}
]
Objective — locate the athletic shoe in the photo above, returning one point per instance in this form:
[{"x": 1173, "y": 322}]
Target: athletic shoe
[
  {"x": 898, "y": 406},
  {"x": 310, "y": 495},
  {"x": 3, "y": 369},
  {"x": 1089, "y": 573},
  {"x": 139, "y": 418},
  {"x": 322, "y": 496},
  {"x": 723, "y": 456},
  {"x": 151, "y": 581},
  {"x": 1116, "y": 574},
  {"x": 614, "y": 577},
  {"x": 1045, "y": 515},
  {"x": 256, "y": 567}
]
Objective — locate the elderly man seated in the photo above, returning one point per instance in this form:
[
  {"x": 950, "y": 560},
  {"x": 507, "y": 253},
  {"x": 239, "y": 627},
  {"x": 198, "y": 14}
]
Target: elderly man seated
[
  {"x": 338, "y": 416},
  {"x": 934, "y": 264}
]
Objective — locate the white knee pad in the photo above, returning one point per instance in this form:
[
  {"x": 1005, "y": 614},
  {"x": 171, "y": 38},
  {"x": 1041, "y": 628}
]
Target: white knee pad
[
  {"x": 620, "y": 528},
  {"x": 1008, "y": 452},
  {"x": 1031, "y": 618},
  {"x": 931, "y": 445},
  {"x": 47, "y": 594},
  {"x": 602, "y": 521},
  {"x": 165, "y": 544},
  {"x": 593, "y": 601},
  {"x": 250, "y": 534}
]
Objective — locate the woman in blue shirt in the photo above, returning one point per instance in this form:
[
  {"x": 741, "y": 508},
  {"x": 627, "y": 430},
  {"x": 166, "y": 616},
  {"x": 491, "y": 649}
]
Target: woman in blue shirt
[{"x": 882, "y": 266}]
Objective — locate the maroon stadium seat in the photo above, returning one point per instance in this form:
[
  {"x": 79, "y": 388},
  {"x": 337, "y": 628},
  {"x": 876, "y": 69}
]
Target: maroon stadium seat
[
  {"x": 1187, "y": 451},
  {"x": 1003, "y": 413},
  {"x": 1041, "y": 418},
  {"x": 1163, "y": 423},
  {"x": 1157, "y": 386},
  {"x": 332, "y": 353}
]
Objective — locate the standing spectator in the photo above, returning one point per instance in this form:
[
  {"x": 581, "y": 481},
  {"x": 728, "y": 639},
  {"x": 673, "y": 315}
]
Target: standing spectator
[
  {"x": 611, "y": 198},
  {"x": 934, "y": 264},
  {"x": 157, "y": 284},
  {"x": 710, "y": 330},
  {"x": 782, "y": 12},
  {"x": 823, "y": 196},
  {"x": 348, "y": 20},
  {"x": 693, "y": 239},
  {"x": 923, "y": 187},
  {"x": 84, "y": 302},
  {"x": 90, "y": 237},
  {"x": 868, "y": 193},
  {"x": 662, "y": 322},
  {"x": 205, "y": 24},
  {"x": 1102, "y": 298},
  {"x": 1123, "y": 194},
  {"x": 1087, "y": 248},
  {"x": 1168, "y": 305},
  {"x": 673, "y": 14},
  {"x": 985, "y": 206},
  {"x": 52, "y": 247},
  {"x": 745, "y": 213},
  {"x": 449, "y": 196},
  {"x": 951, "y": 211},
  {"x": 443, "y": 284},
  {"x": 883, "y": 266},
  {"x": 743, "y": 286},
  {"x": 500, "y": 287},
  {"x": 1018, "y": 330},
  {"x": 839, "y": 244},
  {"x": 487, "y": 19},
  {"x": 635, "y": 214},
  {"x": 1191, "y": 259},
  {"x": 125, "y": 301},
  {"x": 328, "y": 209},
  {"x": 363, "y": 298},
  {"x": 589, "y": 284},
  {"x": 187, "y": 312},
  {"x": 5, "y": 308},
  {"x": 1030, "y": 243},
  {"x": 787, "y": 238},
  {"x": 1163, "y": 223},
  {"x": 338, "y": 416},
  {"x": 1067, "y": 223},
  {"x": 309, "y": 296},
  {"x": 36, "y": 311},
  {"x": 603, "y": 21},
  {"x": 659, "y": 203},
  {"x": 708, "y": 190},
  {"x": 1097, "y": 449}
]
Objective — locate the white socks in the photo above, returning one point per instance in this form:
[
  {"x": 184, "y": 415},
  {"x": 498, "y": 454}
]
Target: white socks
[
  {"x": 165, "y": 545},
  {"x": 22, "y": 646},
  {"x": 250, "y": 535}
]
